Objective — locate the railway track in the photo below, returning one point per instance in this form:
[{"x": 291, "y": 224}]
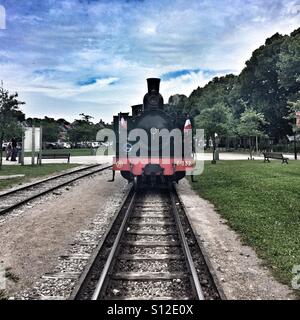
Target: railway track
[
  {"x": 15, "y": 198},
  {"x": 149, "y": 252}
]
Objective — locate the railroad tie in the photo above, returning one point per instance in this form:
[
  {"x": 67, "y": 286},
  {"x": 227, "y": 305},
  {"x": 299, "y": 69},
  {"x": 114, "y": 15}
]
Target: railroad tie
[{"x": 151, "y": 276}]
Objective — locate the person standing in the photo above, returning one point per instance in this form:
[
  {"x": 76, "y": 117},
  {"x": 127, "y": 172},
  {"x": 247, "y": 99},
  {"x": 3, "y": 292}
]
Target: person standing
[
  {"x": 14, "y": 149},
  {"x": 8, "y": 151}
]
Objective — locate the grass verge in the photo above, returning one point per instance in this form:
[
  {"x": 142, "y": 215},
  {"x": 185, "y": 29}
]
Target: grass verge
[
  {"x": 73, "y": 152},
  {"x": 30, "y": 173},
  {"x": 261, "y": 201}
]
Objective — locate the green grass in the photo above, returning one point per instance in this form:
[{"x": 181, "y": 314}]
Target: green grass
[
  {"x": 30, "y": 172},
  {"x": 73, "y": 152},
  {"x": 261, "y": 201}
]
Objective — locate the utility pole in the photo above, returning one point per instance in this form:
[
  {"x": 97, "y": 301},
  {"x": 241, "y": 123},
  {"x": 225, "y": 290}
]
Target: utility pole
[
  {"x": 40, "y": 156},
  {"x": 33, "y": 146},
  {"x": 295, "y": 144},
  {"x": 23, "y": 149},
  {"x": 215, "y": 149}
]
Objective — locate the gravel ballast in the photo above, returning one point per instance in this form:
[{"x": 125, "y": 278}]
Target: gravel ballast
[{"x": 46, "y": 236}]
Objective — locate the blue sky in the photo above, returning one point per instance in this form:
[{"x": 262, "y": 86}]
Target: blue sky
[{"x": 71, "y": 56}]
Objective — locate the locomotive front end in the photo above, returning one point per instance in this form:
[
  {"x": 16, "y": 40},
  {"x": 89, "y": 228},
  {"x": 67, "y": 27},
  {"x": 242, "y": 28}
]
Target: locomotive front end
[{"x": 154, "y": 149}]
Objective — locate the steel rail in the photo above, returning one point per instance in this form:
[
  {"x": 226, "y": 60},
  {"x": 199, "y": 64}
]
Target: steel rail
[
  {"x": 47, "y": 180},
  {"x": 99, "y": 291},
  {"x": 76, "y": 291},
  {"x": 18, "y": 204},
  {"x": 195, "y": 280}
]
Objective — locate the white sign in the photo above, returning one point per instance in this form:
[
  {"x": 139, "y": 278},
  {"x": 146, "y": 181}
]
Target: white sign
[{"x": 28, "y": 143}]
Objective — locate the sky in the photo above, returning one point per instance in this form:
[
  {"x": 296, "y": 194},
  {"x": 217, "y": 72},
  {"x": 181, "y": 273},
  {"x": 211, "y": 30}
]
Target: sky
[{"x": 66, "y": 57}]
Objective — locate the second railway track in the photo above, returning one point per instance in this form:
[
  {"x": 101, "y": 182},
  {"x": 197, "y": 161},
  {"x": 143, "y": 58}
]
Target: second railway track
[
  {"x": 15, "y": 198},
  {"x": 150, "y": 252}
]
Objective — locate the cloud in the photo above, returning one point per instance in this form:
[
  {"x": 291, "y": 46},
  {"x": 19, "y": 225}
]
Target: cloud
[
  {"x": 186, "y": 82},
  {"x": 98, "y": 53},
  {"x": 188, "y": 72},
  {"x": 97, "y": 81}
]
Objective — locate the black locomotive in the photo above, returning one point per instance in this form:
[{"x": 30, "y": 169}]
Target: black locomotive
[{"x": 141, "y": 160}]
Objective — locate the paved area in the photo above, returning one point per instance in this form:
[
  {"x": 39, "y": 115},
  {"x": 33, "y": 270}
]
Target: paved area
[
  {"x": 105, "y": 159},
  {"x": 80, "y": 160},
  {"x": 13, "y": 176},
  {"x": 238, "y": 269}
]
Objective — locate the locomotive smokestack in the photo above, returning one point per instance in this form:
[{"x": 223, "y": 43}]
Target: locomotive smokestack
[{"x": 153, "y": 85}]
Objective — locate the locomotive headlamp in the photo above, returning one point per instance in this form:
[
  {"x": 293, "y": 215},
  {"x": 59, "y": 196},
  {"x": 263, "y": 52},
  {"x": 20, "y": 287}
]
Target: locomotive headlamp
[
  {"x": 127, "y": 147},
  {"x": 119, "y": 164},
  {"x": 153, "y": 99},
  {"x": 153, "y": 131}
]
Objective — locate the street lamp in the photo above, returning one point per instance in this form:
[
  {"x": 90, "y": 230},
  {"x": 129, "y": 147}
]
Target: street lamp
[
  {"x": 214, "y": 149},
  {"x": 294, "y": 126},
  {"x": 295, "y": 143}
]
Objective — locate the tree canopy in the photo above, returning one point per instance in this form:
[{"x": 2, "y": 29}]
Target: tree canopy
[
  {"x": 214, "y": 120},
  {"x": 270, "y": 79},
  {"x": 10, "y": 117}
]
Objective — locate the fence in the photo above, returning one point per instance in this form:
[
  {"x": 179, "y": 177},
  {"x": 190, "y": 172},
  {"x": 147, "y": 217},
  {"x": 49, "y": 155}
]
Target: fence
[{"x": 237, "y": 144}]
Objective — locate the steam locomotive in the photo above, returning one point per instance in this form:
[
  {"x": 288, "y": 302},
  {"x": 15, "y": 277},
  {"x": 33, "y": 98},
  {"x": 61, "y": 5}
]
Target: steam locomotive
[{"x": 149, "y": 162}]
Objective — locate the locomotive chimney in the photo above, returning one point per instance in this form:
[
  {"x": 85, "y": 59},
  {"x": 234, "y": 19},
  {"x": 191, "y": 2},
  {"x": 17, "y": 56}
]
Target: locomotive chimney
[{"x": 153, "y": 85}]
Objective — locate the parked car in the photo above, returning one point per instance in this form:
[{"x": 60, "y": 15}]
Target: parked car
[
  {"x": 79, "y": 145},
  {"x": 95, "y": 144},
  {"x": 64, "y": 145},
  {"x": 107, "y": 144},
  {"x": 67, "y": 145},
  {"x": 4, "y": 145},
  {"x": 50, "y": 145}
]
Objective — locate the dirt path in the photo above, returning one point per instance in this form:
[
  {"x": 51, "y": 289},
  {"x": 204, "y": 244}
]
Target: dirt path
[{"x": 34, "y": 236}]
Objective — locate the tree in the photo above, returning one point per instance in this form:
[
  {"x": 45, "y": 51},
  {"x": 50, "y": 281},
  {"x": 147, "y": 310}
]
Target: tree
[
  {"x": 288, "y": 64},
  {"x": 215, "y": 120},
  {"x": 10, "y": 117},
  {"x": 250, "y": 126},
  {"x": 51, "y": 131},
  {"x": 85, "y": 117},
  {"x": 270, "y": 79},
  {"x": 176, "y": 104},
  {"x": 259, "y": 86},
  {"x": 82, "y": 130},
  {"x": 216, "y": 91},
  {"x": 62, "y": 121}
]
